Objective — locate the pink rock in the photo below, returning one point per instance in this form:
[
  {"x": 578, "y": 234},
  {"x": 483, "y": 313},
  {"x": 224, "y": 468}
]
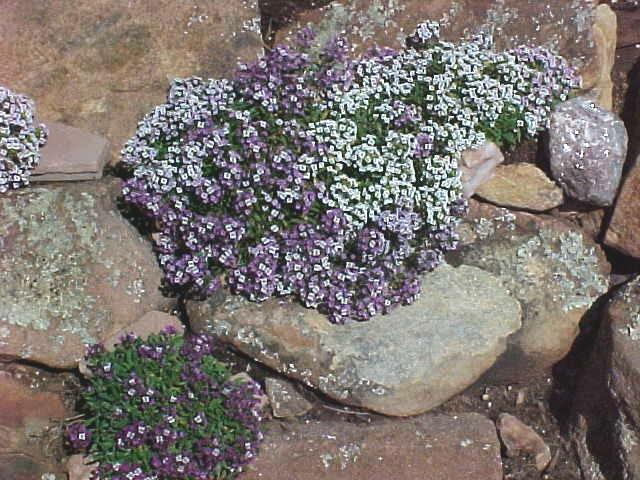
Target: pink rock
[
  {"x": 79, "y": 468},
  {"x": 520, "y": 438},
  {"x": 478, "y": 166},
  {"x": 71, "y": 154},
  {"x": 433, "y": 447}
]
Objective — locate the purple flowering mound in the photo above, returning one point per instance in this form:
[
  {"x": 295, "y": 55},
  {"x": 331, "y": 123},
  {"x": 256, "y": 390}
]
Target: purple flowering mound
[
  {"x": 20, "y": 139},
  {"x": 165, "y": 409},
  {"x": 329, "y": 179}
]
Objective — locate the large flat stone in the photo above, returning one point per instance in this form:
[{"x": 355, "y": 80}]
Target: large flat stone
[
  {"x": 101, "y": 65},
  {"x": 403, "y": 363},
  {"x": 71, "y": 154},
  {"x": 433, "y": 447},
  {"x": 72, "y": 271},
  {"x": 554, "y": 270}
]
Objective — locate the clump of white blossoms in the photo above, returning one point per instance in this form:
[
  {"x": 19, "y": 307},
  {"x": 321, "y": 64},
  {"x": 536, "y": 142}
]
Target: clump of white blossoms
[
  {"x": 20, "y": 139},
  {"x": 395, "y": 134}
]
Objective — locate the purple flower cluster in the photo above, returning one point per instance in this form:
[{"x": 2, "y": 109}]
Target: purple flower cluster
[
  {"x": 20, "y": 139},
  {"x": 330, "y": 179},
  {"x": 78, "y": 436},
  {"x": 166, "y": 409}
]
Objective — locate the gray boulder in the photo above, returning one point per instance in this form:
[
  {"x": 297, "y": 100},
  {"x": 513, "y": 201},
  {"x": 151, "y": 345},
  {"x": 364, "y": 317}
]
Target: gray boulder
[
  {"x": 72, "y": 271},
  {"x": 588, "y": 147},
  {"x": 553, "y": 269},
  {"x": 403, "y": 363}
]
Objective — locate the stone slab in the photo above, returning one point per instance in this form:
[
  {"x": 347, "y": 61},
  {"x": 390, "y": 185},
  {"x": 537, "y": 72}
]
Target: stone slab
[{"x": 71, "y": 154}]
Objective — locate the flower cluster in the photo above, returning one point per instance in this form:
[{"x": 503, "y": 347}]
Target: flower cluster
[
  {"x": 165, "y": 409},
  {"x": 331, "y": 179},
  {"x": 20, "y": 139}
]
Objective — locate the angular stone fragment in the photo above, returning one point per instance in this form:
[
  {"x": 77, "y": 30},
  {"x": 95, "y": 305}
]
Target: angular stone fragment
[
  {"x": 478, "y": 166},
  {"x": 285, "y": 400},
  {"x": 605, "y": 419},
  {"x": 72, "y": 271},
  {"x": 71, "y": 154},
  {"x": 403, "y": 363},
  {"x": 100, "y": 65},
  {"x": 554, "y": 270},
  {"x": 624, "y": 226},
  {"x": 522, "y": 186},
  {"x": 588, "y": 147},
  {"x": 520, "y": 438},
  {"x": 565, "y": 27},
  {"x": 436, "y": 447}
]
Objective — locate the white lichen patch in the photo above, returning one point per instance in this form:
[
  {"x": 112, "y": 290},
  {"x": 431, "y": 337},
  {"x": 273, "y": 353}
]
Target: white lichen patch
[
  {"x": 54, "y": 241},
  {"x": 577, "y": 281},
  {"x": 344, "y": 456}
]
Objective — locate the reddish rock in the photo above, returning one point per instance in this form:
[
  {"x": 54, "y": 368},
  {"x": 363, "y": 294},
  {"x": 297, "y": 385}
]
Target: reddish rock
[
  {"x": 71, "y": 154},
  {"x": 30, "y": 416},
  {"x": 72, "y": 271},
  {"x": 79, "y": 467},
  {"x": 605, "y": 419},
  {"x": 624, "y": 226},
  {"x": 565, "y": 27},
  {"x": 100, "y": 65},
  {"x": 519, "y": 438},
  {"x": 285, "y": 399},
  {"x": 433, "y": 447}
]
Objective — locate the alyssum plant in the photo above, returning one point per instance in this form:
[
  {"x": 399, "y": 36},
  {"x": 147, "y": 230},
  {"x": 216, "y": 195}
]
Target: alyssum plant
[
  {"x": 165, "y": 409},
  {"x": 330, "y": 179},
  {"x": 20, "y": 139}
]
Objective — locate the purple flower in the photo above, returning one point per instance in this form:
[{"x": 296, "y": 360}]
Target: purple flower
[{"x": 79, "y": 436}]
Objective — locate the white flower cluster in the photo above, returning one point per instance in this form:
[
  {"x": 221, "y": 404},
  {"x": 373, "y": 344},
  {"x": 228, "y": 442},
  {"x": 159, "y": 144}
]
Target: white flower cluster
[
  {"x": 20, "y": 140},
  {"x": 450, "y": 90}
]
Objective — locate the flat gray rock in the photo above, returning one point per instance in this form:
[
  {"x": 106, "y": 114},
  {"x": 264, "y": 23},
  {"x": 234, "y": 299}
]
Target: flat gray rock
[
  {"x": 404, "y": 363},
  {"x": 72, "y": 271},
  {"x": 71, "y": 154},
  {"x": 556, "y": 272},
  {"x": 588, "y": 147}
]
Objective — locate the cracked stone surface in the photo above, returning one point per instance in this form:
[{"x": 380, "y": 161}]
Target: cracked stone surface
[
  {"x": 400, "y": 364},
  {"x": 72, "y": 271},
  {"x": 554, "y": 270},
  {"x": 100, "y": 65},
  {"x": 461, "y": 447}
]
